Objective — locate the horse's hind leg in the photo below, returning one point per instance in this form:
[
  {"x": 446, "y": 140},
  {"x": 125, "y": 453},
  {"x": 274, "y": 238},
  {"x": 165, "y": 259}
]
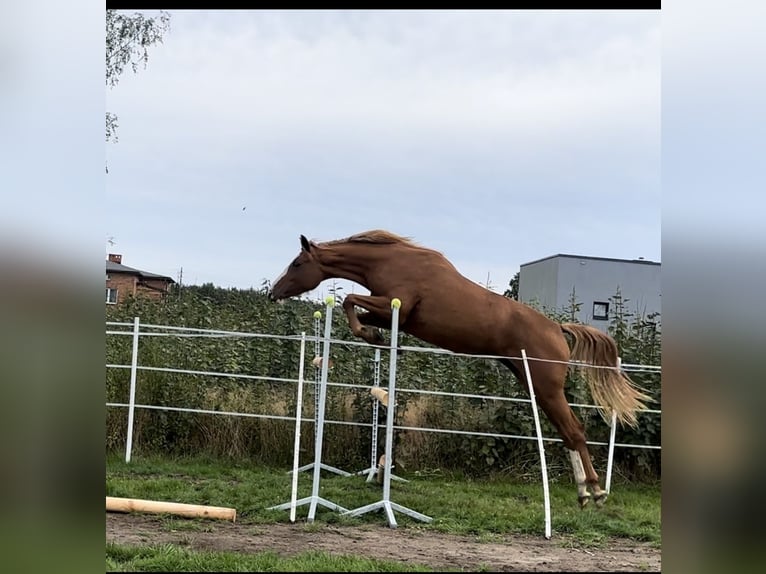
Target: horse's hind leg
[
  {"x": 583, "y": 496},
  {"x": 572, "y": 432},
  {"x": 579, "y": 459}
]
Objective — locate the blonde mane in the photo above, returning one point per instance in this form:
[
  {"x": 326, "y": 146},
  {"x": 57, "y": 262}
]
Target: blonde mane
[{"x": 379, "y": 236}]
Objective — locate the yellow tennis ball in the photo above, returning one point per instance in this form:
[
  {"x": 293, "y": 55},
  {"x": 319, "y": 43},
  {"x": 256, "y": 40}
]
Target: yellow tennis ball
[
  {"x": 330, "y": 300},
  {"x": 317, "y": 314},
  {"x": 396, "y": 303}
]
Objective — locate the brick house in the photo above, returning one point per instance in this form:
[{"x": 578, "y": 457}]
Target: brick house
[{"x": 123, "y": 281}]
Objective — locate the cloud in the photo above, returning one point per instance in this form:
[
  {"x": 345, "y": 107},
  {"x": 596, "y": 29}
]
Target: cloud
[
  {"x": 502, "y": 133},
  {"x": 352, "y": 76}
]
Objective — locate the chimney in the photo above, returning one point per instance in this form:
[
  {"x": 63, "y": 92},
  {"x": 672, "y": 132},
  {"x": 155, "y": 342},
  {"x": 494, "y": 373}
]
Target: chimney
[{"x": 115, "y": 258}]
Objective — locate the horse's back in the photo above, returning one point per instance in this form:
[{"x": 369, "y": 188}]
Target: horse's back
[{"x": 455, "y": 313}]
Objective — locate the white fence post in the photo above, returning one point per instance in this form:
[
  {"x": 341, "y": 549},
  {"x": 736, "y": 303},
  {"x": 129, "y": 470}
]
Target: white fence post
[
  {"x": 541, "y": 446},
  {"x": 132, "y": 400},
  {"x": 612, "y": 433}
]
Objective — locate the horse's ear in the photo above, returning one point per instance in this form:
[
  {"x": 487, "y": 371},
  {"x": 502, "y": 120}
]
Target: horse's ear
[{"x": 305, "y": 245}]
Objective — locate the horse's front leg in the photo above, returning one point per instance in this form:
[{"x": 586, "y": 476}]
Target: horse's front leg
[
  {"x": 373, "y": 324},
  {"x": 378, "y": 315}
]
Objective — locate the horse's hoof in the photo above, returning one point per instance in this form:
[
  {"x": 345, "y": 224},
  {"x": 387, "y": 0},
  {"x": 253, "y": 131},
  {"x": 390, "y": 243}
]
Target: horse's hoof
[
  {"x": 372, "y": 335},
  {"x": 584, "y": 500},
  {"x": 600, "y": 499}
]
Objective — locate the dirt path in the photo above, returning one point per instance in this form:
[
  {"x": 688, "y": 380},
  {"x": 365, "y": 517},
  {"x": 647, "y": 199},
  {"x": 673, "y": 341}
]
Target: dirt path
[{"x": 506, "y": 554}]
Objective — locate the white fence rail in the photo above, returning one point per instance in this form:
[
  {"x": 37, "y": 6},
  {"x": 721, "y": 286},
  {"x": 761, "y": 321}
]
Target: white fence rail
[{"x": 173, "y": 331}]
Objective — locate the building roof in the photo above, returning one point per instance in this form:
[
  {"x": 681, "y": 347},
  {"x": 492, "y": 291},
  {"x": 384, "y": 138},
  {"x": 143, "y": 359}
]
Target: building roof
[
  {"x": 639, "y": 261},
  {"x": 112, "y": 267}
]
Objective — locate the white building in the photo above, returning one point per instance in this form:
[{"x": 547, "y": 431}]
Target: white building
[{"x": 550, "y": 282}]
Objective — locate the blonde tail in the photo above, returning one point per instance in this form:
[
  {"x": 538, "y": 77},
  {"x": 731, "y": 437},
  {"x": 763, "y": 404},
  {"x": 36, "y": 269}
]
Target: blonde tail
[{"x": 611, "y": 389}]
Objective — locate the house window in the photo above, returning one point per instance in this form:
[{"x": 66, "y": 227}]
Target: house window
[
  {"x": 600, "y": 310},
  {"x": 111, "y": 295}
]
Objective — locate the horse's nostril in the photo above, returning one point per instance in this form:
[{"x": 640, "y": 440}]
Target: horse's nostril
[{"x": 273, "y": 298}]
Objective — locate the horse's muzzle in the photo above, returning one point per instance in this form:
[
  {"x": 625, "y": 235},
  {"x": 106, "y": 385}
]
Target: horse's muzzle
[{"x": 275, "y": 299}]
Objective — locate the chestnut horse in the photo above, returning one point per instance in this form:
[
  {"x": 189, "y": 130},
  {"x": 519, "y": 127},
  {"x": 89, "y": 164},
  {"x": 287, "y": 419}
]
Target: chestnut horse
[{"x": 444, "y": 308}]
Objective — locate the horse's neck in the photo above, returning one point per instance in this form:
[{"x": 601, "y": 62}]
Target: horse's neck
[{"x": 339, "y": 261}]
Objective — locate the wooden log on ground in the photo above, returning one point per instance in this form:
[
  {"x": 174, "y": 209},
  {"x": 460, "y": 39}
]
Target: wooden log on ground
[{"x": 115, "y": 504}]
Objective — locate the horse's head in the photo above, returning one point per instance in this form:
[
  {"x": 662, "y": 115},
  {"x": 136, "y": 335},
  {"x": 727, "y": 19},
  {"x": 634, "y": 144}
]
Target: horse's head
[{"x": 303, "y": 274}]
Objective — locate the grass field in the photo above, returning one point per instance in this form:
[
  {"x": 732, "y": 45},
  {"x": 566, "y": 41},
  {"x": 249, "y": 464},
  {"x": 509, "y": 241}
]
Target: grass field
[{"x": 483, "y": 509}]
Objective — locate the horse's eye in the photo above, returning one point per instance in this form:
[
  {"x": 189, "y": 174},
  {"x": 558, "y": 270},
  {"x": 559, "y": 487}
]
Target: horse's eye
[{"x": 296, "y": 263}]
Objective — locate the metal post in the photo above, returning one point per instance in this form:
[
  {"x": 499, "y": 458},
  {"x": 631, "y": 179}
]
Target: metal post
[
  {"x": 132, "y": 400},
  {"x": 386, "y": 503},
  {"x": 540, "y": 445}
]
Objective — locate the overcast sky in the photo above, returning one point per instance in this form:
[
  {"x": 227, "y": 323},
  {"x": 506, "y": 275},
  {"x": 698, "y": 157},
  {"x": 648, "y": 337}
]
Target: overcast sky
[{"x": 495, "y": 137}]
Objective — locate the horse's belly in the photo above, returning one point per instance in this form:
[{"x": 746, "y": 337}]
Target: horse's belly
[{"x": 465, "y": 336}]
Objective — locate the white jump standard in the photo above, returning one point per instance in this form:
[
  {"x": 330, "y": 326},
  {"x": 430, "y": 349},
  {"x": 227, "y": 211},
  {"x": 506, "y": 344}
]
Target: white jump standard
[
  {"x": 318, "y": 367},
  {"x": 315, "y": 499},
  {"x": 386, "y": 503},
  {"x": 381, "y": 397}
]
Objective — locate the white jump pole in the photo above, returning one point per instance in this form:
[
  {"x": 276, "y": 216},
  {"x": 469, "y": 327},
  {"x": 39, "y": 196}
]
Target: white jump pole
[
  {"x": 541, "y": 447},
  {"x": 386, "y": 503},
  {"x": 298, "y": 409},
  {"x": 612, "y": 433},
  {"x": 132, "y": 399}
]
